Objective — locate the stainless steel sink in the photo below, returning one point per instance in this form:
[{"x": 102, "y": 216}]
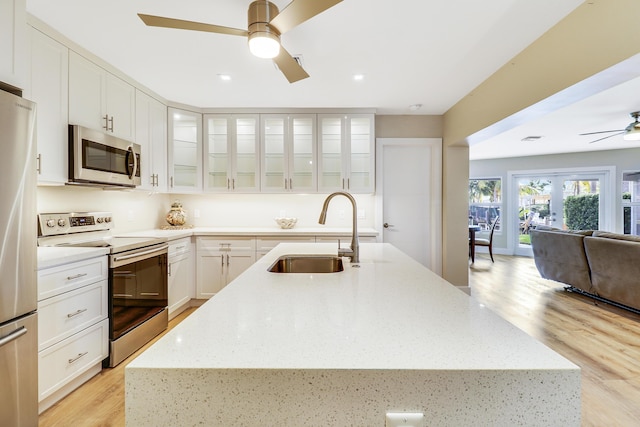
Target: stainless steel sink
[{"x": 307, "y": 264}]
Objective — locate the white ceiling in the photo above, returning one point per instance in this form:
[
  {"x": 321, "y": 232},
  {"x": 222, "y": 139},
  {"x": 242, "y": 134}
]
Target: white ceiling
[{"x": 429, "y": 52}]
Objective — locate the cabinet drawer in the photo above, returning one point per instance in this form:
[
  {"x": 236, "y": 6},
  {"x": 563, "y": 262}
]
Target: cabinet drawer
[
  {"x": 219, "y": 244},
  {"x": 64, "y": 278},
  {"x": 64, "y": 361},
  {"x": 64, "y": 315},
  {"x": 265, "y": 244},
  {"x": 179, "y": 247}
]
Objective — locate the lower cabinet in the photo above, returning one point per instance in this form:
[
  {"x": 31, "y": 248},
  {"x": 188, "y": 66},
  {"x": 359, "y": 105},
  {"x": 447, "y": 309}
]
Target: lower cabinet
[
  {"x": 220, "y": 260},
  {"x": 73, "y": 326},
  {"x": 181, "y": 280}
]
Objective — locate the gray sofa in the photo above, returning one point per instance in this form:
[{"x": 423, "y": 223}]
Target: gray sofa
[{"x": 599, "y": 264}]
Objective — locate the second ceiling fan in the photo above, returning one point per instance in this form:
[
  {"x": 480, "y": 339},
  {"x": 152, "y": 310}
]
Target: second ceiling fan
[{"x": 265, "y": 26}]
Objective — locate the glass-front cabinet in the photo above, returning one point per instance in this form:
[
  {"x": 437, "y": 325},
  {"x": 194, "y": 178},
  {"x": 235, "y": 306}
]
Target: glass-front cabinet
[
  {"x": 185, "y": 151},
  {"x": 232, "y": 153},
  {"x": 346, "y": 154},
  {"x": 288, "y": 153}
]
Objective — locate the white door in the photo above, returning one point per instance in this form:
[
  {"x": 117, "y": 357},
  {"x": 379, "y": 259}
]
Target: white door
[{"x": 409, "y": 182}]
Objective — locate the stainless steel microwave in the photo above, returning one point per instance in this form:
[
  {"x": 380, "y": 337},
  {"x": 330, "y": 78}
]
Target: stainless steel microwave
[{"x": 96, "y": 158}]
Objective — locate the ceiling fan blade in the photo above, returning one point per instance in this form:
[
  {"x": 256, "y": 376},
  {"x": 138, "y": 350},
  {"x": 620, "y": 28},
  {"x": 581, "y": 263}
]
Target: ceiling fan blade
[
  {"x": 299, "y": 11},
  {"x": 289, "y": 66},
  {"x": 159, "y": 21},
  {"x": 602, "y": 131},
  {"x": 615, "y": 134}
]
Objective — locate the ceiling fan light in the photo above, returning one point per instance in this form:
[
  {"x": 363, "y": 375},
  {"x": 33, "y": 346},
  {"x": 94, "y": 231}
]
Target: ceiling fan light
[
  {"x": 632, "y": 135},
  {"x": 264, "y": 44}
]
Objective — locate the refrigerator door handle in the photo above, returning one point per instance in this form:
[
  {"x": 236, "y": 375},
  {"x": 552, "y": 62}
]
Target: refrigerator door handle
[{"x": 13, "y": 336}]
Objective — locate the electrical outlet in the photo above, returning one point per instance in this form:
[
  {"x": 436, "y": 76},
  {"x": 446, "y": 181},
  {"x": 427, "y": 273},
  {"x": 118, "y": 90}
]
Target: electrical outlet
[
  {"x": 196, "y": 213},
  {"x": 405, "y": 419}
]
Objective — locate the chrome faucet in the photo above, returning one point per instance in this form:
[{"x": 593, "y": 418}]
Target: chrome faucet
[{"x": 354, "y": 252}]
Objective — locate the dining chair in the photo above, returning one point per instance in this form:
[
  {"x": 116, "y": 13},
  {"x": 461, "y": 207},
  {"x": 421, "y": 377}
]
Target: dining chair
[{"x": 479, "y": 241}]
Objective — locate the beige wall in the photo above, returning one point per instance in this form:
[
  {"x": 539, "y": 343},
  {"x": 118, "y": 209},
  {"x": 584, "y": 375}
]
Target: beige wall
[
  {"x": 414, "y": 126},
  {"x": 571, "y": 61}
]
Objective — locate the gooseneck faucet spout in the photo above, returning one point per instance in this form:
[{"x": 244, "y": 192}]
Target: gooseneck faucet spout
[{"x": 354, "y": 252}]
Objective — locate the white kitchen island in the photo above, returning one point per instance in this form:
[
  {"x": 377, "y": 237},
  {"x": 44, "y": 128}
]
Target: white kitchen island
[{"x": 342, "y": 349}]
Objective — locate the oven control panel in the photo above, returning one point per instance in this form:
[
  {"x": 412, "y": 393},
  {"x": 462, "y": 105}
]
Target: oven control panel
[{"x": 51, "y": 224}]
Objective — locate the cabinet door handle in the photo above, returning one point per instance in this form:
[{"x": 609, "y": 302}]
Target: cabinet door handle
[
  {"x": 78, "y": 357},
  {"x": 348, "y": 183},
  {"x": 39, "y": 164},
  {"x": 74, "y": 314},
  {"x": 111, "y": 121},
  {"x": 227, "y": 260},
  {"x": 228, "y": 184},
  {"x": 106, "y": 122},
  {"x": 285, "y": 184},
  {"x": 76, "y": 276},
  {"x": 169, "y": 270},
  {"x": 233, "y": 184},
  {"x": 149, "y": 294},
  {"x": 290, "y": 184},
  {"x": 171, "y": 181},
  {"x": 343, "y": 183}
]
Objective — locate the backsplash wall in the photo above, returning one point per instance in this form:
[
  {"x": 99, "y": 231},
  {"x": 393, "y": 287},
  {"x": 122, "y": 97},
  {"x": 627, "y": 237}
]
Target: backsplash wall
[{"x": 135, "y": 210}]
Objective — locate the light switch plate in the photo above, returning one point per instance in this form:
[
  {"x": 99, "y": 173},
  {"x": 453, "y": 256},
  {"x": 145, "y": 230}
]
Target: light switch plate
[{"x": 405, "y": 419}]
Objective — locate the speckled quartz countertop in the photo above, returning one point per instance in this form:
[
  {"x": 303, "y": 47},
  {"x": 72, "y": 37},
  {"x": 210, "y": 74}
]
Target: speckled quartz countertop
[{"x": 404, "y": 332}]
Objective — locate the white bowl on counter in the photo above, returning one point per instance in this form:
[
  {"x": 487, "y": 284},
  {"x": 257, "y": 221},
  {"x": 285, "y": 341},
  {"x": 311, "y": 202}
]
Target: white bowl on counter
[{"x": 286, "y": 223}]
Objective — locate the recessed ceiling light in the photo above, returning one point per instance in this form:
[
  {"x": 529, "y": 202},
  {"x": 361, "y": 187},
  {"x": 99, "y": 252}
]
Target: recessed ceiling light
[
  {"x": 358, "y": 77},
  {"x": 224, "y": 77},
  {"x": 415, "y": 107}
]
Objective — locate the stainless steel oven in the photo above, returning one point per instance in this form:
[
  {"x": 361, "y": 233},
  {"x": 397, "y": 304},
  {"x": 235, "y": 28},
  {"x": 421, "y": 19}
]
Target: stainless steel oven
[
  {"x": 137, "y": 276},
  {"x": 137, "y": 296},
  {"x": 96, "y": 158}
]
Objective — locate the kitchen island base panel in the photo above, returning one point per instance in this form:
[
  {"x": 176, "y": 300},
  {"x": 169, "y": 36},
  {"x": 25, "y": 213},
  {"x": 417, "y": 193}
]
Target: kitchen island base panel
[{"x": 321, "y": 397}]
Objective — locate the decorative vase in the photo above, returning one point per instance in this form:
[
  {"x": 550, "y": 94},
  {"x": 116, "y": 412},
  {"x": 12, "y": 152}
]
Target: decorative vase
[{"x": 177, "y": 215}]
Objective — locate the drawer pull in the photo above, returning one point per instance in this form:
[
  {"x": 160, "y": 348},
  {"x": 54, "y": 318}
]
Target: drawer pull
[
  {"x": 70, "y": 315},
  {"x": 78, "y": 357},
  {"x": 76, "y": 276},
  {"x": 122, "y": 295},
  {"x": 180, "y": 247},
  {"x": 149, "y": 294}
]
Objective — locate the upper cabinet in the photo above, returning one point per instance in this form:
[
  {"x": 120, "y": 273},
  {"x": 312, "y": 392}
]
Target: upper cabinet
[
  {"x": 231, "y": 149},
  {"x": 100, "y": 100},
  {"x": 48, "y": 87},
  {"x": 288, "y": 153},
  {"x": 13, "y": 43},
  {"x": 185, "y": 151},
  {"x": 151, "y": 134},
  {"x": 346, "y": 157}
]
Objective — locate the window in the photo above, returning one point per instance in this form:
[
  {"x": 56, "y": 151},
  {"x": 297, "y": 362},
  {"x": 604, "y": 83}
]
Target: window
[
  {"x": 631, "y": 202},
  {"x": 485, "y": 201}
]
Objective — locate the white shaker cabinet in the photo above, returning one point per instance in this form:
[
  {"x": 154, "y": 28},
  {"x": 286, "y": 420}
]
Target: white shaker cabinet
[
  {"x": 220, "y": 260},
  {"x": 346, "y": 153},
  {"x": 181, "y": 275},
  {"x": 232, "y": 153},
  {"x": 151, "y": 134},
  {"x": 288, "y": 153},
  {"x": 99, "y": 100},
  {"x": 49, "y": 89},
  {"x": 185, "y": 151},
  {"x": 13, "y": 43},
  {"x": 73, "y": 326}
]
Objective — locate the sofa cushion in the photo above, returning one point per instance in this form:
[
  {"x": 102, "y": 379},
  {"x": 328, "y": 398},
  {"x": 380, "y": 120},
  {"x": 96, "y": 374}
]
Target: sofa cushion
[
  {"x": 617, "y": 236},
  {"x": 615, "y": 268},
  {"x": 560, "y": 256}
]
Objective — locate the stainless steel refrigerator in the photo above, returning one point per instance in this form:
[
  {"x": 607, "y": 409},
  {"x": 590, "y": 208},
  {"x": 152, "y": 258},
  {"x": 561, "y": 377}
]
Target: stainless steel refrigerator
[{"x": 18, "y": 259}]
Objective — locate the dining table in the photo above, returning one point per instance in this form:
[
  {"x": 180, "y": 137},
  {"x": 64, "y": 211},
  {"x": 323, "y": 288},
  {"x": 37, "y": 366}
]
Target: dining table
[{"x": 472, "y": 241}]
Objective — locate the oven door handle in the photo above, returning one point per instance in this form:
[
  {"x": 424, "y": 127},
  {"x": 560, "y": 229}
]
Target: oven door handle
[{"x": 158, "y": 250}]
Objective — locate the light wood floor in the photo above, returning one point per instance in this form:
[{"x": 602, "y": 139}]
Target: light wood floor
[
  {"x": 100, "y": 401},
  {"x": 603, "y": 340}
]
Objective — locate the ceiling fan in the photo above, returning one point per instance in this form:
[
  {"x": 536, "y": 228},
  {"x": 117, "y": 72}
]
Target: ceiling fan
[
  {"x": 265, "y": 25},
  {"x": 631, "y": 132}
]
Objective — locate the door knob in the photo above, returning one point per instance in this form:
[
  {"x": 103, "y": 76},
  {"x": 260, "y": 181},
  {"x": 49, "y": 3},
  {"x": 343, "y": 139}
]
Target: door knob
[{"x": 387, "y": 225}]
